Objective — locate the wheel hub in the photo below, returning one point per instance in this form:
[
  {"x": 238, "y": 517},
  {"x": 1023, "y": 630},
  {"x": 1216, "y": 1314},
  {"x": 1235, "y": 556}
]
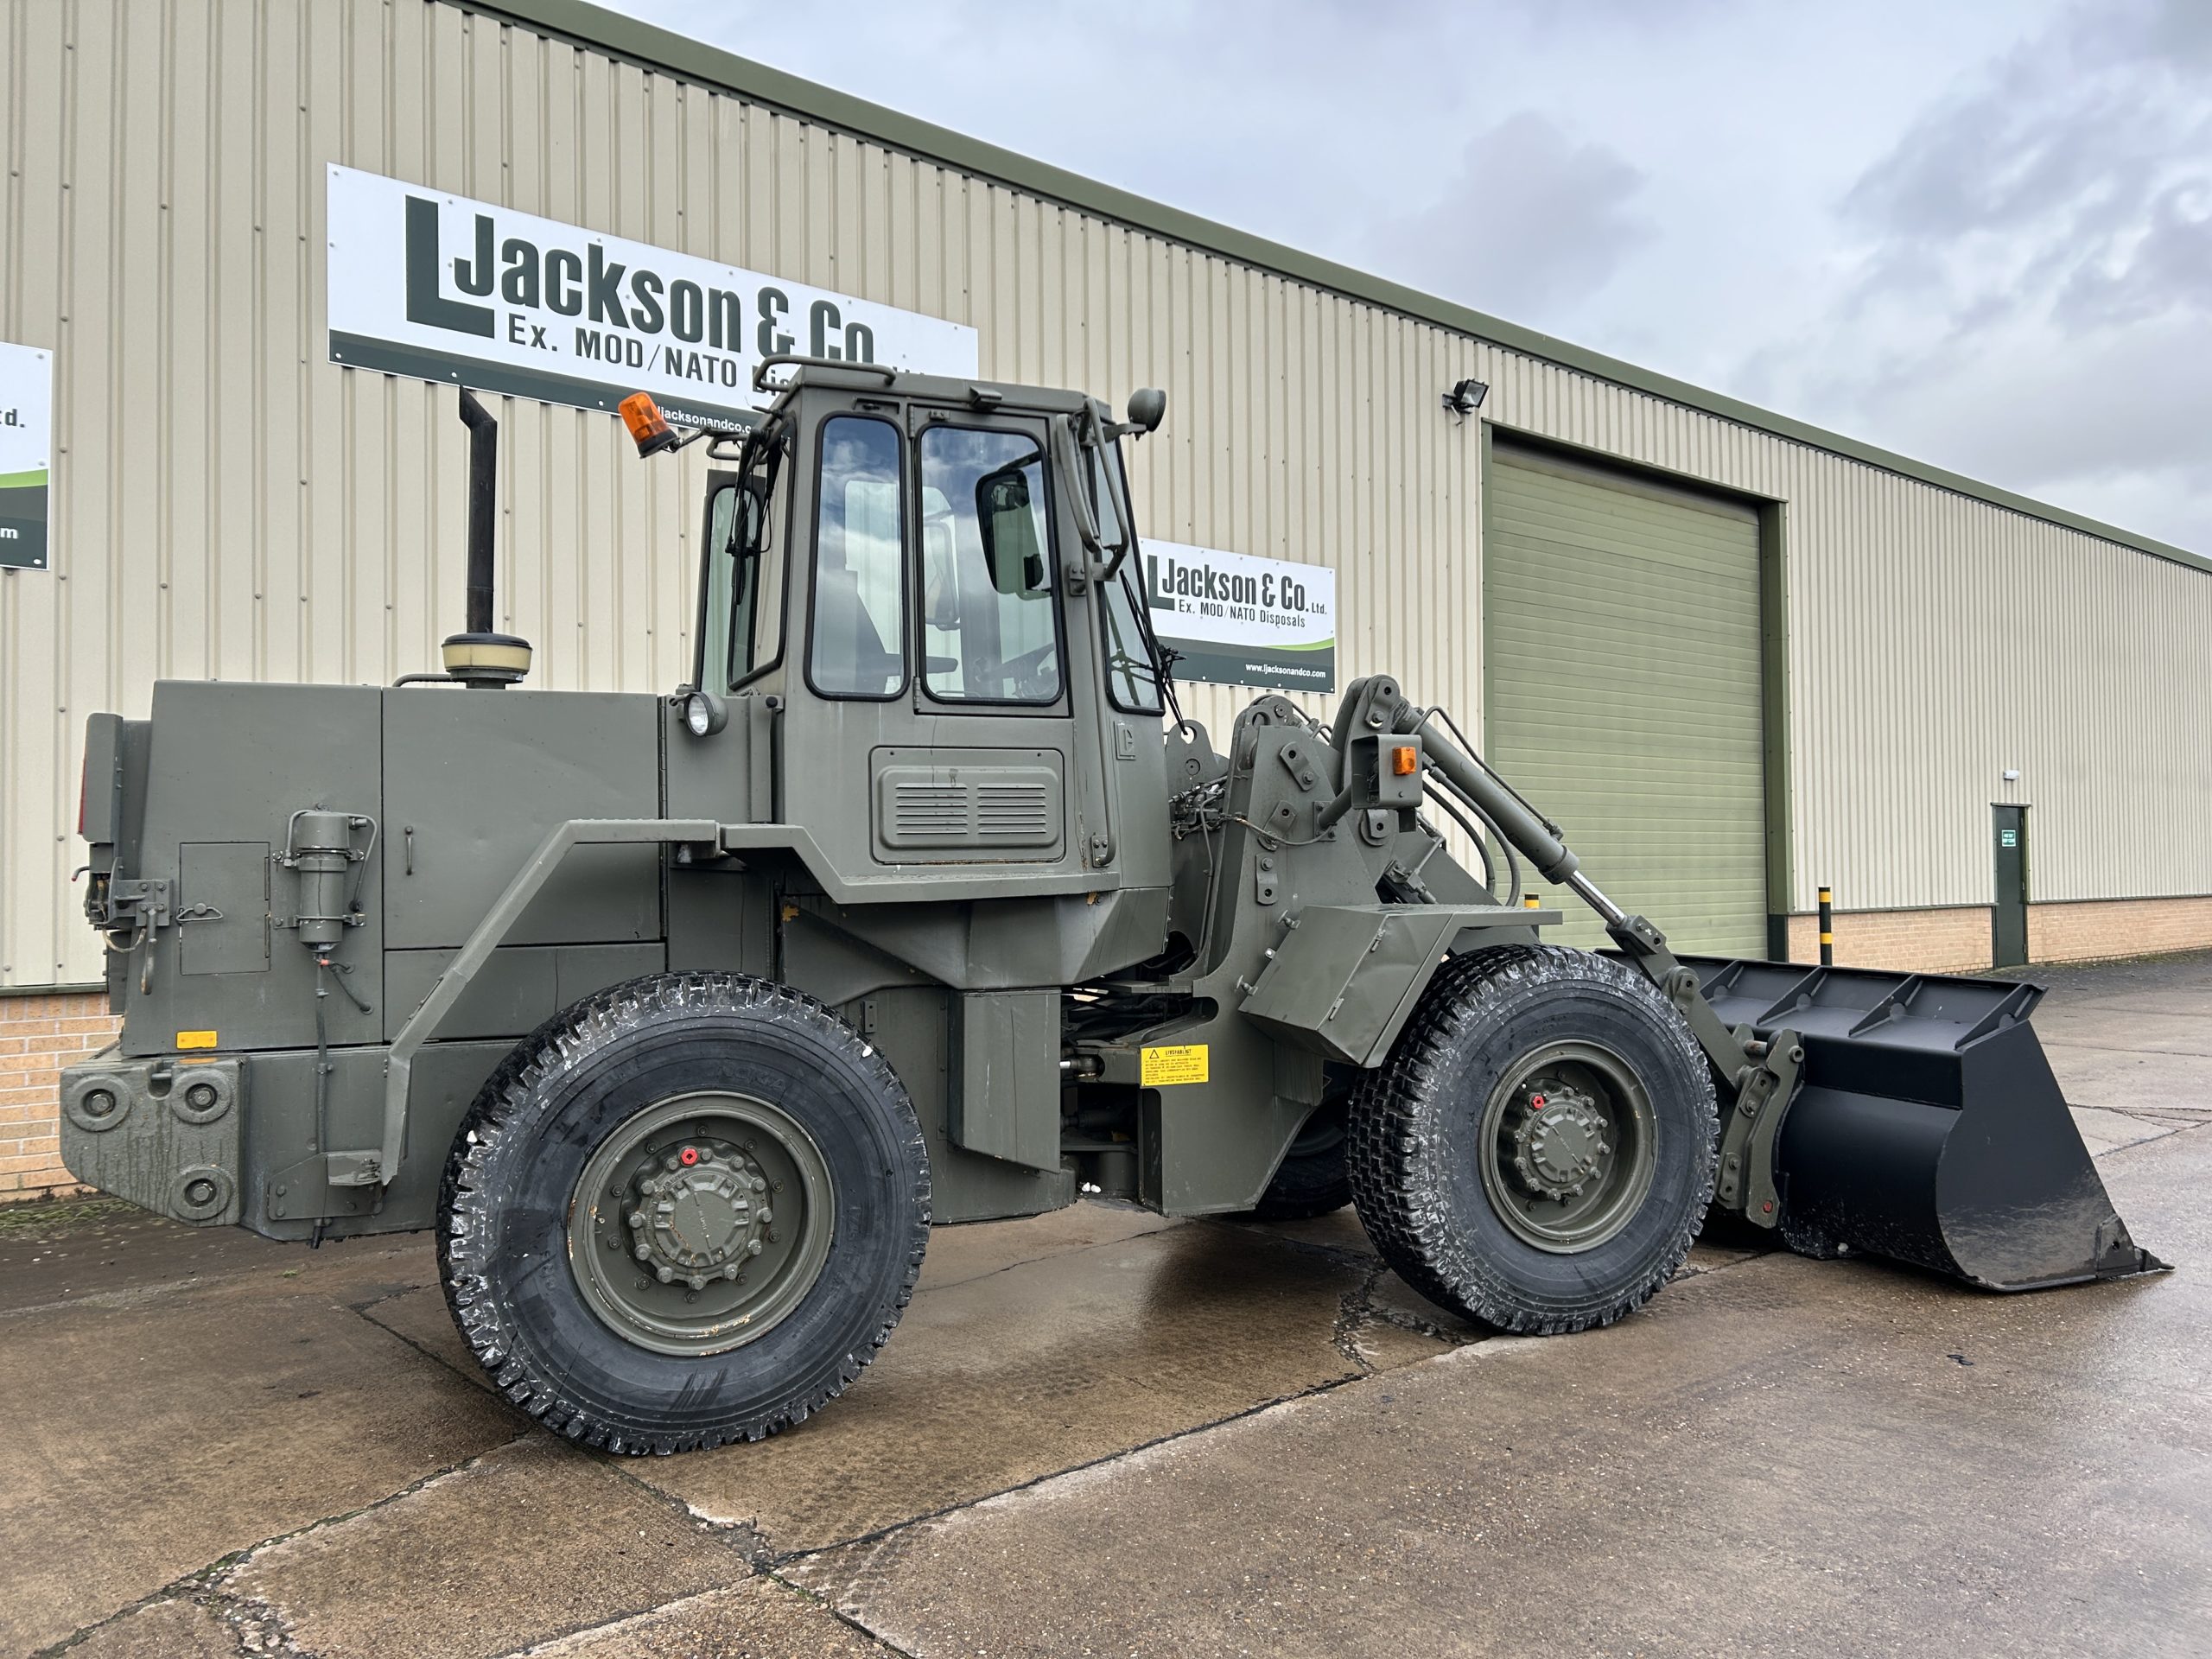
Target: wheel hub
[
  {"x": 1564, "y": 1145},
  {"x": 1560, "y": 1141},
  {"x": 700, "y": 1214},
  {"x": 700, "y": 1221}
]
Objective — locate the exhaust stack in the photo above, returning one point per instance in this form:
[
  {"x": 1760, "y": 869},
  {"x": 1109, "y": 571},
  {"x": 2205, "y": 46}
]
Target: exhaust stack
[{"x": 482, "y": 659}]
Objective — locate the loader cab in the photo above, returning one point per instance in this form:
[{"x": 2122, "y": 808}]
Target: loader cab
[{"x": 962, "y": 706}]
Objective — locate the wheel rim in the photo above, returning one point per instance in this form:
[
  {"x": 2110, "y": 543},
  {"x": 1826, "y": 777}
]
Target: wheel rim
[
  {"x": 700, "y": 1223},
  {"x": 1566, "y": 1147}
]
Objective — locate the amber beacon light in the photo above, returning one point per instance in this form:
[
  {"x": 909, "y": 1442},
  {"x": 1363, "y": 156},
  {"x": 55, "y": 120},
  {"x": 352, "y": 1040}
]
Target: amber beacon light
[{"x": 648, "y": 426}]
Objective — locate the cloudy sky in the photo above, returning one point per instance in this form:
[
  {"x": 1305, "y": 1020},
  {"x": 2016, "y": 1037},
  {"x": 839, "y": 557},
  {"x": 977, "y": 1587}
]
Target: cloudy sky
[{"x": 1977, "y": 232}]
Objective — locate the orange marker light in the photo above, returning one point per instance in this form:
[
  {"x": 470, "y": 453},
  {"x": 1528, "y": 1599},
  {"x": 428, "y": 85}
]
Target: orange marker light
[
  {"x": 1405, "y": 761},
  {"x": 646, "y": 423}
]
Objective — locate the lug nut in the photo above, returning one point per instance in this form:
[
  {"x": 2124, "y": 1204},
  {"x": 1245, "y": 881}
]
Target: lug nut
[
  {"x": 665, "y": 1274},
  {"x": 644, "y": 1252},
  {"x": 637, "y": 1217},
  {"x": 697, "y": 1282}
]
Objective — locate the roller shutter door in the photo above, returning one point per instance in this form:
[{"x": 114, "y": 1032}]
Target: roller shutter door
[{"x": 1622, "y": 629}]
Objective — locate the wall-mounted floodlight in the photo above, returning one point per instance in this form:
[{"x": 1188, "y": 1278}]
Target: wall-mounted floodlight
[
  {"x": 1465, "y": 397},
  {"x": 2011, "y": 774}
]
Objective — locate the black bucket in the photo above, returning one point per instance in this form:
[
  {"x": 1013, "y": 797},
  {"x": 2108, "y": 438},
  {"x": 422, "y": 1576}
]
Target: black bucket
[{"x": 1926, "y": 1127}]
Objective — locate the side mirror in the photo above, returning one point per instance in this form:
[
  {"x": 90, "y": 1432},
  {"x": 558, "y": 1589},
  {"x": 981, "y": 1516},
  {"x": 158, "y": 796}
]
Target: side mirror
[
  {"x": 1008, "y": 525},
  {"x": 1148, "y": 408}
]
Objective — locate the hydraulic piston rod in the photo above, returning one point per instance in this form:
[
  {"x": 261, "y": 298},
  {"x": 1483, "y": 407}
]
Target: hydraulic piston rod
[{"x": 1379, "y": 704}]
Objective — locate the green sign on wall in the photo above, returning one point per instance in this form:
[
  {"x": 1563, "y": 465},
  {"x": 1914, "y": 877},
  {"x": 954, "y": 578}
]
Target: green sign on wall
[{"x": 26, "y": 454}]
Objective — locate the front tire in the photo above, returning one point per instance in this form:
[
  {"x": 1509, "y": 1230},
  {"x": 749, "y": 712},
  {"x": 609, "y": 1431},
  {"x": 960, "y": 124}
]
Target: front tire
[
  {"x": 688, "y": 1209},
  {"x": 1537, "y": 1153}
]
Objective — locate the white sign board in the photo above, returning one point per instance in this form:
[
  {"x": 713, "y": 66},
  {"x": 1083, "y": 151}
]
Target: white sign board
[
  {"x": 26, "y": 454},
  {"x": 440, "y": 288},
  {"x": 1239, "y": 620}
]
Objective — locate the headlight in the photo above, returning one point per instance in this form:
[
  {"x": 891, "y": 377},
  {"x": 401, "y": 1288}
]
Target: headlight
[{"x": 704, "y": 713}]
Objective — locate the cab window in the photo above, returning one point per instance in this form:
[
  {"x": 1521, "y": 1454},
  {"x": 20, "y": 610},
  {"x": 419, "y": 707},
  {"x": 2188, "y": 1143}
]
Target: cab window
[
  {"x": 742, "y": 633},
  {"x": 858, "y": 646},
  {"x": 1132, "y": 683},
  {"x": 990, "y": 624}
]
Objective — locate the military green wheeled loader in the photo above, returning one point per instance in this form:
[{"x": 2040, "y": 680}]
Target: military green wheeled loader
[{"x": 683, "y": 1019}]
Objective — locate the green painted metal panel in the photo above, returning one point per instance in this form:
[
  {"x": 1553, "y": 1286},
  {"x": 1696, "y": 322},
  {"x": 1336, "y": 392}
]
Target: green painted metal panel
[{"x": 1623, "y": 628}]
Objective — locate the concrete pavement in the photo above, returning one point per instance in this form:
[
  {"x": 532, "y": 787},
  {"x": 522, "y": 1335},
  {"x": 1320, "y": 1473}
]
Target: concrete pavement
[{"x": 1102, "y": 1432}]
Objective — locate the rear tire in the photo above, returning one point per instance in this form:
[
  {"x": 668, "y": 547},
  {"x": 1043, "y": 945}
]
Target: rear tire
[
  {"x": 1313, "y": 1177},
  {"x": 685, "y": 1210},
  {"x": 1537, "y": 1153}
]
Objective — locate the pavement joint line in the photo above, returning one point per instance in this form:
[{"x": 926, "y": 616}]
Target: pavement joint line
[
  {"x": 2151, "y": 1140},
  {"x": 206, "y": 1581},
  {"x": 549, "y": 1644},
  {"x": 780, "y": 1560},
  {"x": 478, "y": 1377},
  {"x": 1168, "y": 1224},
  {"x": 393, "y": 1295},
  {"x": 745, "y": 1536},
  {"x": 847, "y": 1619},
  {"x": 2125, "y": 1048},
  {"x": 2140, "y": 1114},
  {"x": 1750, "y": 1256},
  {"x": 1354, "y": 1308},
  {"x": 1344, "y": 1255}
]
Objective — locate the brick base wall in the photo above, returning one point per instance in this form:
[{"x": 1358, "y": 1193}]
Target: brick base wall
[
  {"x": 1957, "y": 941},
  {"x": 2098, "y": 928},
  {"x": 39, "y": 1035},
  {"x": 1954, "y": 941}
]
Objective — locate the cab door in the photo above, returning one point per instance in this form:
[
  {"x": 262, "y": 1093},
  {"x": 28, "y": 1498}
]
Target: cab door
[
  {"x": 949, "y": 671},
  {"x": 987, "y": 768}
]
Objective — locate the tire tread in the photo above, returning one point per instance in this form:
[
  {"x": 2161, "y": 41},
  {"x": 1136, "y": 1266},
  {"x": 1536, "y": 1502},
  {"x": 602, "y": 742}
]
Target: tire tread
[
  {"x": 468, "y": 1199},
  {"x": 1399, "y": 1187}
]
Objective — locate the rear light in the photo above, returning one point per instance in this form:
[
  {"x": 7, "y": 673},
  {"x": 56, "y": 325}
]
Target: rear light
[{"x": 1405, "y": 761}]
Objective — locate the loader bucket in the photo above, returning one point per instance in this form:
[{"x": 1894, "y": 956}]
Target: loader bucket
[{"x": 1926, "y": 1127}]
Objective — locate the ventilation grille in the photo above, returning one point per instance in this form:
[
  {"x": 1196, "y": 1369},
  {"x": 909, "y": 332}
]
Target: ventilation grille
[
  {"x": 966, "y": 810},
  {"x": 1019, "y": 812},
  {"x": 933, "y": 813}
]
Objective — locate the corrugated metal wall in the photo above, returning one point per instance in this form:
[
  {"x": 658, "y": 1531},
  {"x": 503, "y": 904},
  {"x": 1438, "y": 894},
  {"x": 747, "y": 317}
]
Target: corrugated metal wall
[{"x": 228, "y": 503}]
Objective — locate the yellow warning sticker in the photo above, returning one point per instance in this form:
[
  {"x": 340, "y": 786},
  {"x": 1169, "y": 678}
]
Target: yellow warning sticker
[
  {"x": 195, "y": 1040},
  {"x": 1185, "y": 1062}
]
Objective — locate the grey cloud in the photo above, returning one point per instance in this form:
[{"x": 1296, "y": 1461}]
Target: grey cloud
[
  {"x": 2075, "y": 176},
  {"x": 2169, "y": 267},
  {"x": 2030, "y": 296},
  {"x": 1533, "y": 221}
]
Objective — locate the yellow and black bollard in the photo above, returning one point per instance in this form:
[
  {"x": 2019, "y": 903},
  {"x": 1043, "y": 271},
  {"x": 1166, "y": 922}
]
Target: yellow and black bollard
[{"x": 1828, "y": 928}]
